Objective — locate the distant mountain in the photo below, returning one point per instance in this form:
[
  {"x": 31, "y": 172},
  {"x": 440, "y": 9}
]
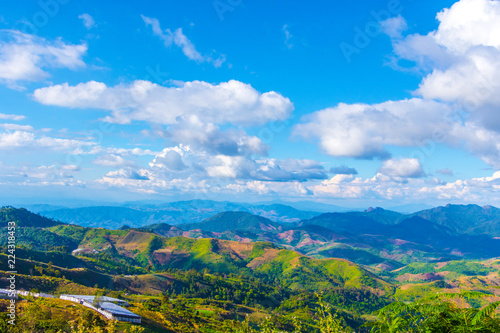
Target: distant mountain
[
  {"x": 408, "y": 238},
  {"x": 173, "y": 213},
  {"x": 379, "y": 215},
  {"x": 228, "y": 221},
  {"x": 352, "y": 223},
  {"x": 281, "y": 213},
  {"x": 419, "y": 230},
  {"x": 313, "y": 206},
  {"x": 100, "y": 216},
  {"x": 41, "y": 207},
  {"x": 466, "y": 219}
]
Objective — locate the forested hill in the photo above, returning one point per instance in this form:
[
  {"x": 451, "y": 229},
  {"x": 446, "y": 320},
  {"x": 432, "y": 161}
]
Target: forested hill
[{"x": 24, "y": 218}]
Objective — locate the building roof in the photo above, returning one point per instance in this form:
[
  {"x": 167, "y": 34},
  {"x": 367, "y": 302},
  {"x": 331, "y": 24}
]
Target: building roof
[
  {"x": 117, "y": 310},
  {"x": 90, "y": 298}
]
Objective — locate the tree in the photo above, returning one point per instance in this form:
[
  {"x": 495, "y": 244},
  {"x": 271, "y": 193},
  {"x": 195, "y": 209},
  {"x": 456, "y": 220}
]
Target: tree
[
  {"x": 97, "y": 301},
  {"x": 328, "y": 322},
  {"x": 437, "y": 314}
]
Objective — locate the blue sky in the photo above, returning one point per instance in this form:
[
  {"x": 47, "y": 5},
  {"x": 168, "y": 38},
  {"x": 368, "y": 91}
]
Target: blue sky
[{"x": 356, "y": 104}]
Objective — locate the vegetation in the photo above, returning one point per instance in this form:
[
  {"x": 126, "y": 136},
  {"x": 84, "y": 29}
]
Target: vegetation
[
  {"x": 438, "y": 313},
  {"x": 181, "y": 284}
]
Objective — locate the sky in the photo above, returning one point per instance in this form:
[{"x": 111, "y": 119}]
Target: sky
[{"x": 354, "y": 103}]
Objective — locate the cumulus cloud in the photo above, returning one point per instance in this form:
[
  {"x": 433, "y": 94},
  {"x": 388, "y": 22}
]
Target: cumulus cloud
[
  {"x": 364, "y": 131},
  {"x": 26, "y": 57},
  {"x": 171, "y": 158},
  {"x": 405, "y": 167},
  {"x": 458, "y": 98},
  {"x": 209, "y": 138},
  {"x": 462, "y": 57},
  {"x": 178, "y": 38},
  {"x": 228, "y": 102},
  {"x": 88, "y": 21},
  {"x": 182, "y": 162},
  {"x": 239, "y": 167},
  {"x": 469, "y": 190},
  {"x": 126, "y": 173}
]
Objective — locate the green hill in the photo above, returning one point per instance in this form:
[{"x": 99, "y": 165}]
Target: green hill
[{"x": 24, "y": 218}]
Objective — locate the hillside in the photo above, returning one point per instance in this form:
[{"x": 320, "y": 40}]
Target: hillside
[
  {"x": 229, "y": 257},
  {"x": 466, "y": 219},
  {"x": 372, "y": 237},
  {"x": 228, "y": 221},
  {"x": 249, "y": 278},
  {"x": 24, "y": 218}
]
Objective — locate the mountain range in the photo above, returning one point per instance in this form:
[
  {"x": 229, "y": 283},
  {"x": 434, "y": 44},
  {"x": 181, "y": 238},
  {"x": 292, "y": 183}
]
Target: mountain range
[{"x": 237, "y": 263}]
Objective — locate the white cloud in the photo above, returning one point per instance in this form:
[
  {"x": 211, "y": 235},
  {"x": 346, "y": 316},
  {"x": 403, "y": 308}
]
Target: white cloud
[
  {"x": 462, "y": 57},
  {"x": 22, "y": 139},
  {"x": 228, "y": 102},
  {"x": 483, "y": 189},
  {"x": 290, "y": 189},
  {"x": 405, "y": 167},
  {"x": 240, "y": 167},
  {"x": 469, "y": 23},
  {"x": 14, "y": 117},
  {"x": 130, "y": 151},
  {"x": 182, "y": 162},
  {"x": 126, "y": 173},
  {"x": 382, "y": 188},
  {"x": 111, "y": 160},
  {"x": 459, "y": 94},
  {"x": 209, "y": 138},
  {"x": 180, "y": 40},
  {"x": 171, "y": 158},
  {"x": 288, "y": 36},
  {"x": 45, "y": 175},
  {"x": 363, "y": 131},
  {"x": 88, "y": 21},
  {"x": 394, "y": 26},
  {"x": 17, "y": 127},
  {"x": 26, "y": 57}
]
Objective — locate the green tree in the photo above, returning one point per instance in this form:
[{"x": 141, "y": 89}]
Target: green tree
[
  {"x": 437, "y": 314},
  {"x": 330, "y": 322}
]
